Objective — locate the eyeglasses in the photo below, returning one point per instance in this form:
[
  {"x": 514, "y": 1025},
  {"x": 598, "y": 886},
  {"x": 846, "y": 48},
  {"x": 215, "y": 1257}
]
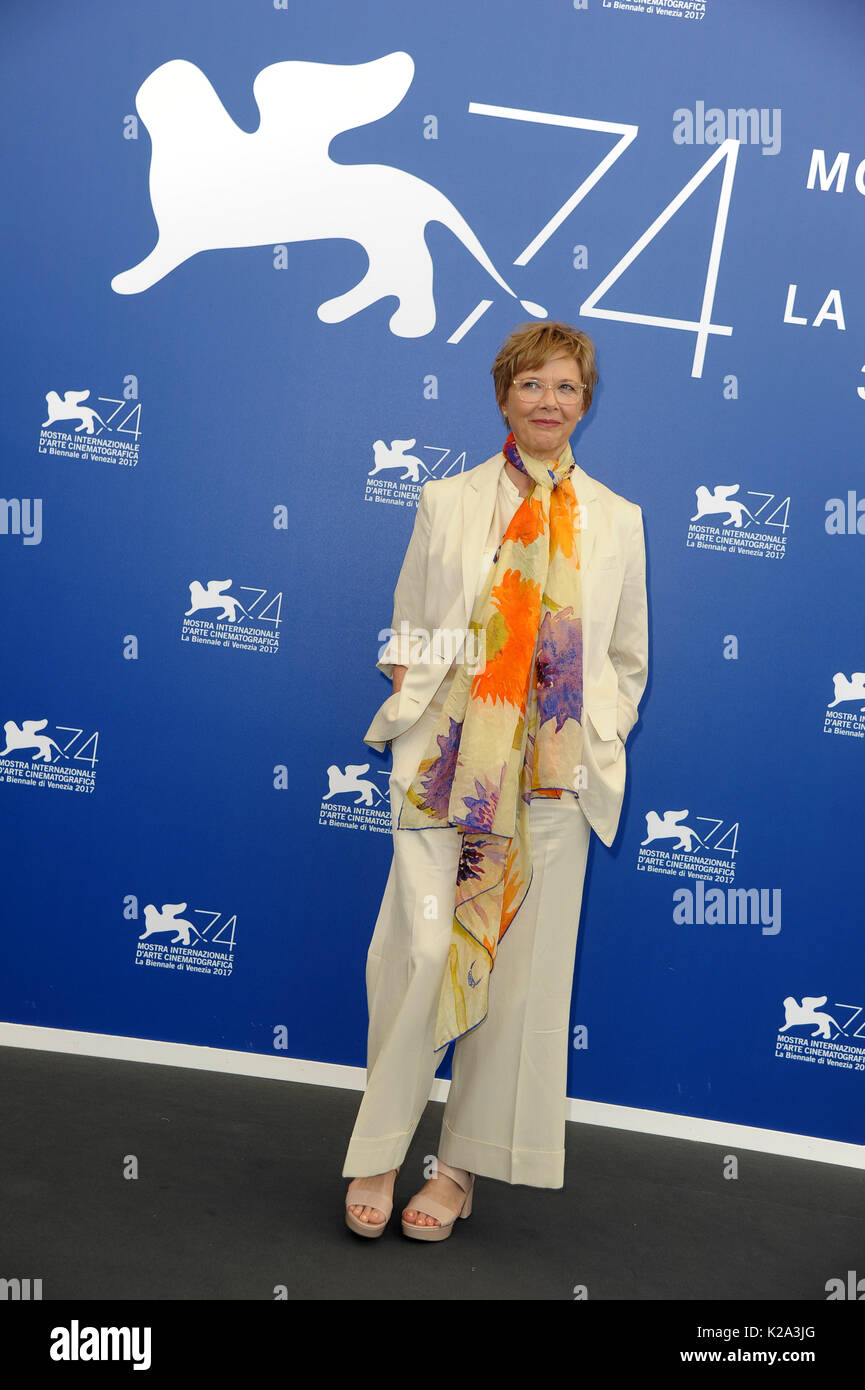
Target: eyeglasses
[{"x": 532, "y": 390}]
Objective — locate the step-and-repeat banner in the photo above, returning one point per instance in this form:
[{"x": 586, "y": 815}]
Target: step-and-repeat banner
[{"x": 259, "y": 258}]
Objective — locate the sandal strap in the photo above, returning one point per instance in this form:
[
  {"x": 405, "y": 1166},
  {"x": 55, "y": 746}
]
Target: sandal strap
[
  {"x": 427, "y": 1204},
  {"x": 430, "y": 1207},
  {"x": 370, "y": 1197},
  {"x": 459, "y": 1175}
]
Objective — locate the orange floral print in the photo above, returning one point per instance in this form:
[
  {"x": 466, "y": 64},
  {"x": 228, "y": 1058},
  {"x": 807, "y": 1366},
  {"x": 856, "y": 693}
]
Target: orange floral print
[
  {"x": 563, "y": 525},
  {"x": 527, "y": 523},
  {"x": 504, "y": 675}
]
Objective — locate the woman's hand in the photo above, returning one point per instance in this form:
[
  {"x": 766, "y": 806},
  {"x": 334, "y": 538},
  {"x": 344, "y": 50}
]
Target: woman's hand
[{"x": 398, "y": 677}]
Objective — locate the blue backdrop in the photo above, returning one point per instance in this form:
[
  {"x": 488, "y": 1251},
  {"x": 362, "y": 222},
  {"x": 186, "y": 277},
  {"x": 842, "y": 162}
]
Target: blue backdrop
[{"x": 205, "y": 515}]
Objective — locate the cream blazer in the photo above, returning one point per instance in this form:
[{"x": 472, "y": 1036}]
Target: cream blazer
[{"x": 436, "y": 589}]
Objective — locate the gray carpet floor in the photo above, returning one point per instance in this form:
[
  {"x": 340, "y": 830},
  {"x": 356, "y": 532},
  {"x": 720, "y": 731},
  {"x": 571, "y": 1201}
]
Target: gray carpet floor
[{"x": 239, "y": 1193}]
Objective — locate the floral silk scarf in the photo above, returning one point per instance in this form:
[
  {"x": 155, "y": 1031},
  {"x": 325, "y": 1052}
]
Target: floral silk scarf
[{"x": 510, "y": 729}]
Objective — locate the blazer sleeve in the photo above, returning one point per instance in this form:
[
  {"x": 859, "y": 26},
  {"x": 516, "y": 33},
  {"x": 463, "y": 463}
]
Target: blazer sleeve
[
  {"x": 410, "y": 593},
  {"x": 629, "y": 647}
]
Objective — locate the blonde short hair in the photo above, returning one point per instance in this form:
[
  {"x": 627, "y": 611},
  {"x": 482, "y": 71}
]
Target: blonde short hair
[{"x": 531, "y": 344}]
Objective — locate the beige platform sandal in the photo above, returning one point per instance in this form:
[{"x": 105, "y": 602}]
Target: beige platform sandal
[
  {"x": 369, "y": 1197},
  {"x": 430, "y": 1207}
]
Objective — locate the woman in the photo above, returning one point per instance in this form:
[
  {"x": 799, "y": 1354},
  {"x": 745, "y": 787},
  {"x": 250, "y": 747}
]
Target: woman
[{"x": 505, "y": 757}]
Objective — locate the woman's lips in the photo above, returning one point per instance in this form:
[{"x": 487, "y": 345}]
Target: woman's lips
[{"x": 547, "y": 424}]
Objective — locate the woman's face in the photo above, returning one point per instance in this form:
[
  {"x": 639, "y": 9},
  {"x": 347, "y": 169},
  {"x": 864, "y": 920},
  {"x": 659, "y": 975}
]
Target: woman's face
[{"x": 543, "y": 428}]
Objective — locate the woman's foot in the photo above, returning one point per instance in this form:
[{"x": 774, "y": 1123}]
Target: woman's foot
[
  {"x": 373, "y": 1215},
  {"x": 443, "y": 1190}
]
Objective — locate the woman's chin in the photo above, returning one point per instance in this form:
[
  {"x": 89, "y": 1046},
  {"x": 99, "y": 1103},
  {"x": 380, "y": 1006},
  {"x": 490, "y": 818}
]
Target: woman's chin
[{"x": 542, "y": 444}]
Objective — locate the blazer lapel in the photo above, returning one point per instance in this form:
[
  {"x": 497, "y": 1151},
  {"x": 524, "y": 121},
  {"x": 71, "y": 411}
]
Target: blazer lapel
[
  {"x": 479, "y": 501},
  {"x": 587, "y": 492}
]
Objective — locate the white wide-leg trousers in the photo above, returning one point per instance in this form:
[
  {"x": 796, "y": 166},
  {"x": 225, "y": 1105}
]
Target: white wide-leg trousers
[{"x": 505, "y": 1113}]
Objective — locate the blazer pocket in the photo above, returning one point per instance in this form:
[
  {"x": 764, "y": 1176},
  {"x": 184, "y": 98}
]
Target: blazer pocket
[
  {"x": 605, "y": 721},
  {"x": 388, "y": 707},
  {"x": 393, "y": 703}
]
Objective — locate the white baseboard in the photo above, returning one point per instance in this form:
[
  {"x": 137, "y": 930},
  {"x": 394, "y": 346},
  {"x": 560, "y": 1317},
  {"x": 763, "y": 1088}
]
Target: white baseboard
[{"x": 277, "y": 1068}]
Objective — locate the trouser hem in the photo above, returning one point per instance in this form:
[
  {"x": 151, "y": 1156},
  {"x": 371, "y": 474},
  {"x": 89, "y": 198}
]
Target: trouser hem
[
  {"x": 365, "y": 1157},
  {"x": 528, "y": 1167}
]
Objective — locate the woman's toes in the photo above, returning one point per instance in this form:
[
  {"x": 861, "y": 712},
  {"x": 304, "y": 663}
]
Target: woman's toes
[{"x": 419, "y": 1218}]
